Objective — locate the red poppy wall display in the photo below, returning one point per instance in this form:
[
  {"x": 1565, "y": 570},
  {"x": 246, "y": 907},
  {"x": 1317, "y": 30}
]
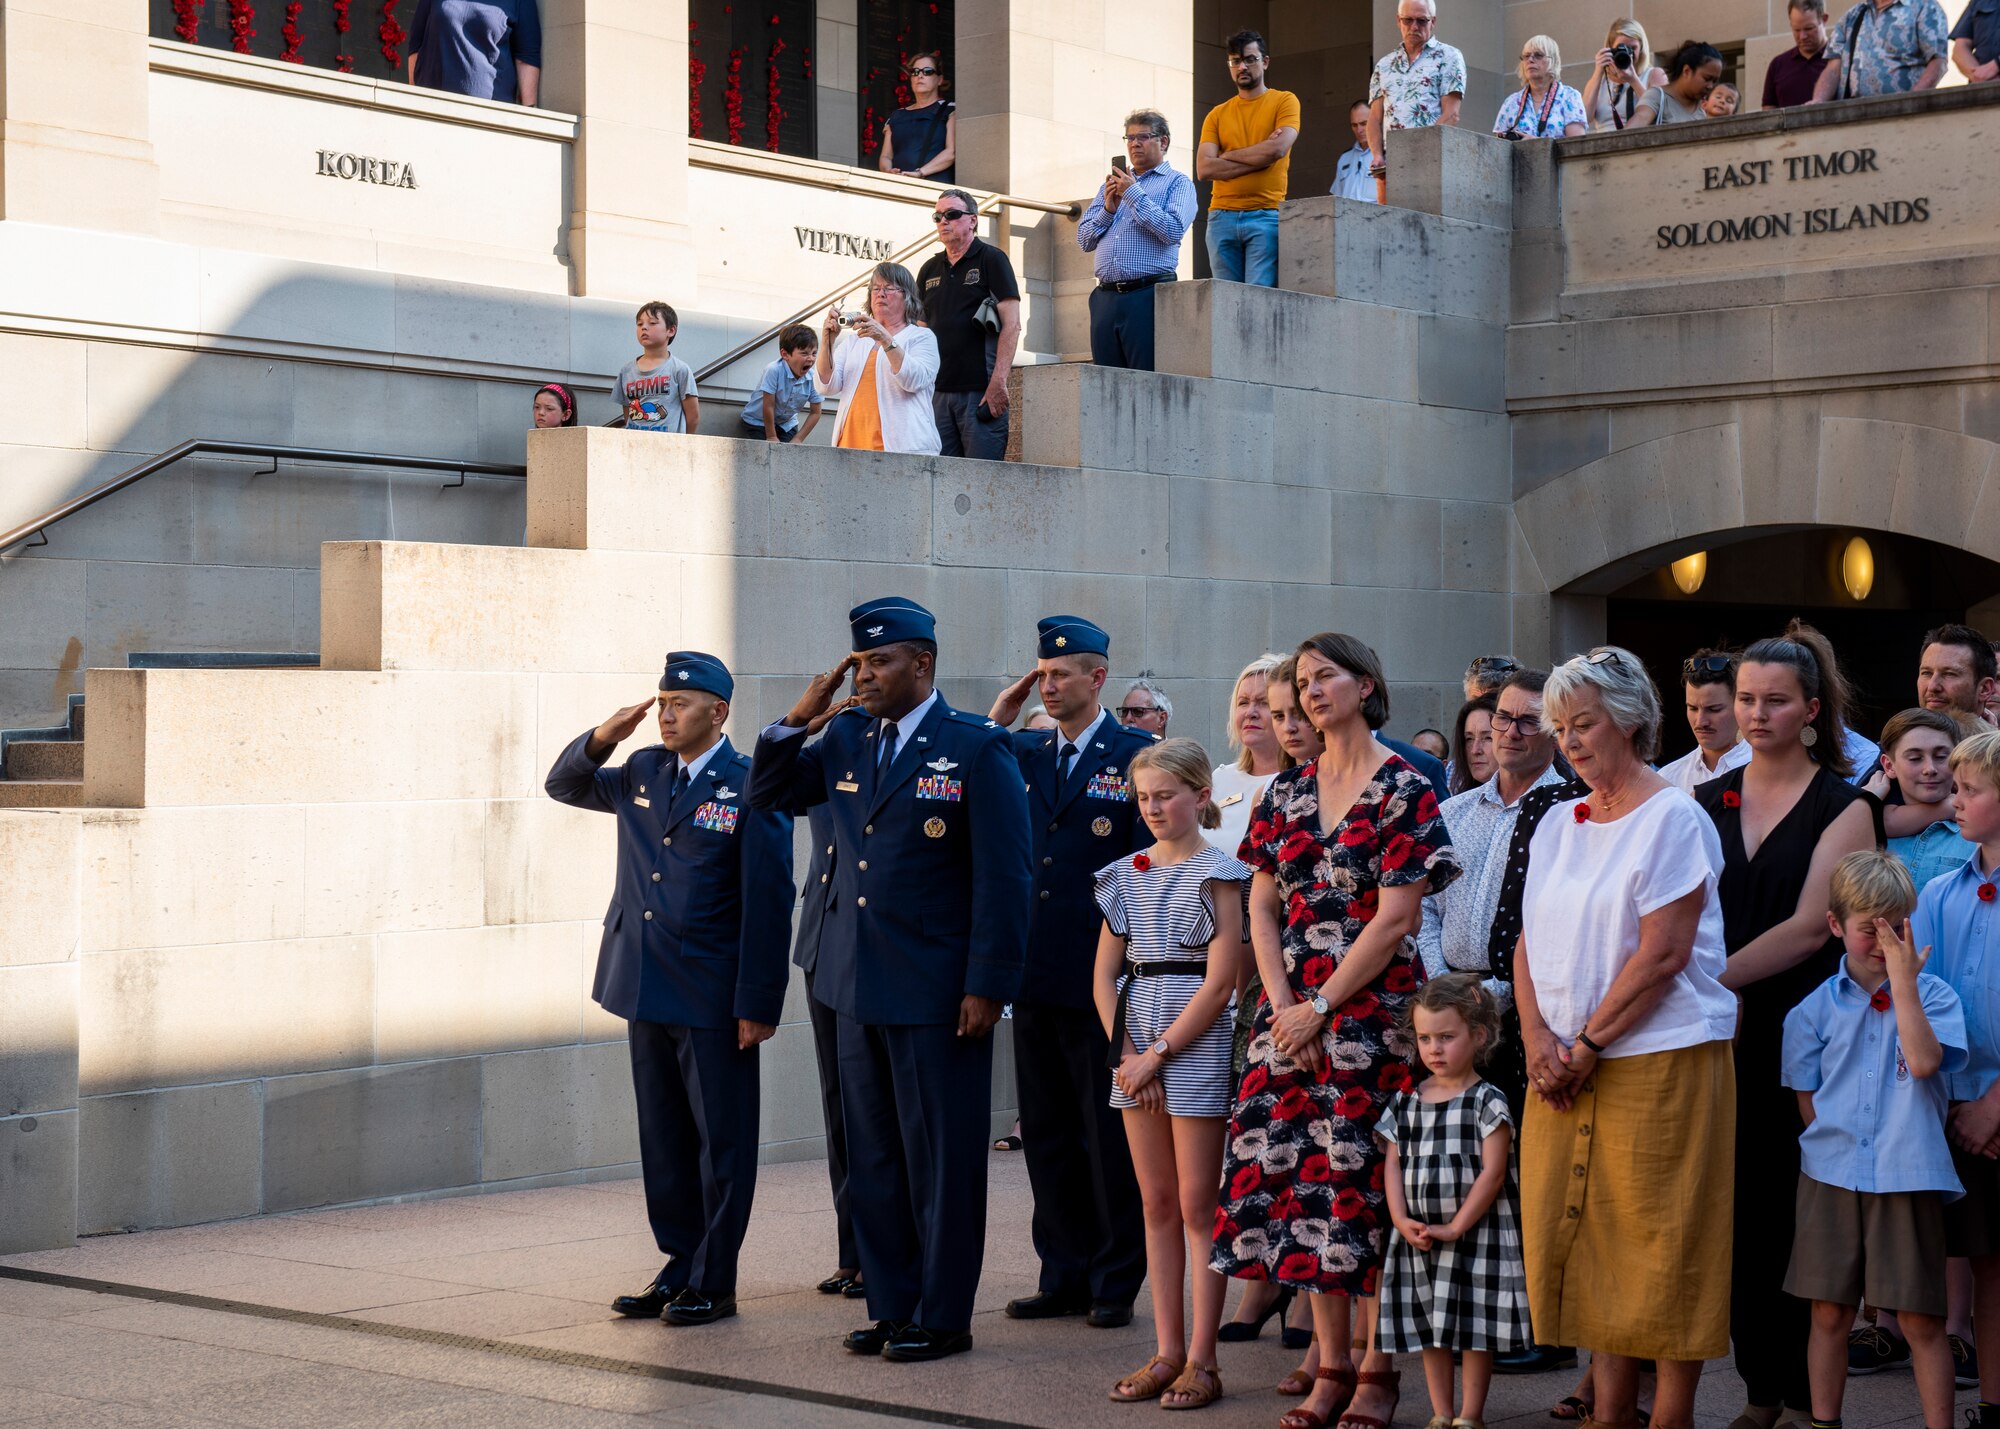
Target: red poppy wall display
[
  {"x": 301, "y": 32},
  {"x": 750, "y": 74},
  {"x": 892, "y": 31}
]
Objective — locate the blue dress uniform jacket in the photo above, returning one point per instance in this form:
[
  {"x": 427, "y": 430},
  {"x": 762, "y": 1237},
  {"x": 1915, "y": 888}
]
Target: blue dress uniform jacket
[
  {"x": 1078, "y": 827},
  {"x": 927, "y": 896},
  {"x": 699, "y": 922}
]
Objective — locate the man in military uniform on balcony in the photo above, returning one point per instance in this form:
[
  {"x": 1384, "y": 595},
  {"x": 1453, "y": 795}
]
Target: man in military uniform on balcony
[
  {"x": 922, "y": 931},
  {"x": 693, "y": 959}
]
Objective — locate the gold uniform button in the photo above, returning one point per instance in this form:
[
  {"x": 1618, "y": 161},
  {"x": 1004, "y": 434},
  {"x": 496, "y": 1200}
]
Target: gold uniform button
[
  {"x": 825, "y": 877},
  {"x": 863, "y": 865},
  {"x": 861, "y": 903},
  {"x": 656, "y": 878},
  {"x": 668, "y": 842},
  {"x": 829, "y": 848},
  {"x": 866, "y": 829}
]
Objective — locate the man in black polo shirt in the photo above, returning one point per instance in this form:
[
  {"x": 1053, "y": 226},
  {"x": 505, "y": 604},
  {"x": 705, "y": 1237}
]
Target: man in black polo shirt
[{"x": 970, "y": 399}]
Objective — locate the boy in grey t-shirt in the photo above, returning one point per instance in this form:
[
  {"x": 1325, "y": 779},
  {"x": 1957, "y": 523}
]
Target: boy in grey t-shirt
[{"x": 656, "y": 390}]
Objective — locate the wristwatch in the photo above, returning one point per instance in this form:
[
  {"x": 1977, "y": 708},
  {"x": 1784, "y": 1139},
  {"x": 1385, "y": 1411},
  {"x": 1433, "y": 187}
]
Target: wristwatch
[
  {"x": 1159, "y": 1047},
  {"x": 1319, "y": 1004}
]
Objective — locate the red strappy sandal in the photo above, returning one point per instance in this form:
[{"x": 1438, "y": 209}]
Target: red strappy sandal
[
  {"x": 1390, "y": 1379},
  {"x": 1303, "y": 1418}
]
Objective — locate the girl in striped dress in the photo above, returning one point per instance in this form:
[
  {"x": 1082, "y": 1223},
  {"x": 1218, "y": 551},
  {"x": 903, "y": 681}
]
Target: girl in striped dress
[{"x": 1167, "y": 963}]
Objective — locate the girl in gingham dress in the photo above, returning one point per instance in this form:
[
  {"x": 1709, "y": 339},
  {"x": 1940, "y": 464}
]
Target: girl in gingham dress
[
  {"x": 1453, "y": 1280},
  {"x": 1167, "y": 964}
]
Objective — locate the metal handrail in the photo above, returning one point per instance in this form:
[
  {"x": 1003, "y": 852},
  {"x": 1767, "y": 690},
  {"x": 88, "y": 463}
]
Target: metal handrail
[
  {"x": 319, "y": 455},
  {"x": 986, "y": 207}
]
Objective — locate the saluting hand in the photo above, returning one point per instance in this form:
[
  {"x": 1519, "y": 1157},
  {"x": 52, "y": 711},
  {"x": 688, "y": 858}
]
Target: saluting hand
[
  {"x": 821, "y": 721},
  {"x": 818, "y": 696},
  {"x": 1007, "y": 708},
  {"x": 614, "y": 731},
  {"x": 976, "y": 1015}
]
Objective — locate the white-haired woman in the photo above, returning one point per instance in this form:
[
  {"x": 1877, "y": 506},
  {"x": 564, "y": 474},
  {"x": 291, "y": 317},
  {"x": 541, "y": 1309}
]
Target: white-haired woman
[
  {"x": 1254, "y": 739},
  {"x": 1544, "y": 107},
  {"x": 884, "y": 368},
  {"x": 1628, "y": 1147},
  {"x": 1613, "y": 91}
]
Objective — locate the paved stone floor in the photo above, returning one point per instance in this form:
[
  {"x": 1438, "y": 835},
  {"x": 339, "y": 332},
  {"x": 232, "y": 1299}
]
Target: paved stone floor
[{"x": 490, "y": 1311}]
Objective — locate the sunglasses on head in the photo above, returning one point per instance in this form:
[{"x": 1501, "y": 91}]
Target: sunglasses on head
[
  {"x": 947, "y": 215},
  {"x": 1706, "y": 665},
  {"x": 1495, "y": 665},
  {"x": 1603, "y": 657}
]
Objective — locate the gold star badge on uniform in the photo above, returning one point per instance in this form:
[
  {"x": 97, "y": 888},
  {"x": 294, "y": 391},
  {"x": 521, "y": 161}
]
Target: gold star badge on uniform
[{"x": 1061, "y": 640}]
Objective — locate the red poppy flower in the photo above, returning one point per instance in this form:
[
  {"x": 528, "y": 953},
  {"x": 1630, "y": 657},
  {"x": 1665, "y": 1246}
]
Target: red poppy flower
[
  {"x": 1293, "y": 1104},
  {"x": 1399, "y": 979},
  {"x": 1299, "y": 1265},
  {"x": 1880, "y": 1001},
  {"x": 1583, "y": 813},
  {"x": 1296, "y": 846},
  {"x": 1368, "y": 1281},
  {"x": 1397, "y": 850},
  {"x": 1731, "y": 799},
  {"x": 1317, "y": 970},
  {"x": 1225, "y": 1228},
  {"x": 1253, "y": 1083},
  {"x": 1253, "y": 1271},
  {"x": 1362, "y": 1005},
  {"x": 1141, "y": 862},
  {"x": 1356, "y": 833},
  {"x": 1348, "y": 1203},
  {"x": 1316, "y": 1169},
  {"x": 1394, "y": 1076},
  {"x": 1378, "y": 1174},
  {"x": 1353, "y": 1104},
  {"x": 1985, "y": 893},
  {"x": 1286, "y": 1207},
  {"x": 1246, "y": 1180}
]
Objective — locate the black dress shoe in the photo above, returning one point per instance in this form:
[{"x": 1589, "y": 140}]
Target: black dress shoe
[
  {"x": 837, "y": 1283},
  {"x": 1046, "y": 1305},
  {"x": 648, "y": 1303},
  {"x": 694, "y": 1307},
  {"x": 1536, "y": 1359},
  {"x": 1106, "y": 1316},
  {"x": 855, "y": 1290},
  {"x": 871, "y": 1340},
  {"x": 916, "y": 1344}
]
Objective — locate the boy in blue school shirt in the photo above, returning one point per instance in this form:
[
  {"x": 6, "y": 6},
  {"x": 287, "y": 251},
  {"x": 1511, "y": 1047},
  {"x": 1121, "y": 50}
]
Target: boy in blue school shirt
[
  {"x": 1959, "y": 915},
  {"x": 785, "y": 390},
  {"x": 1864, "y": 1051}
]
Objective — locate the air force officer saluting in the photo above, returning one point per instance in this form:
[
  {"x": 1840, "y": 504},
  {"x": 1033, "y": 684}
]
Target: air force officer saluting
[
  {"x": 694, "y": 959},
  {"x": 923, "y": 928}
]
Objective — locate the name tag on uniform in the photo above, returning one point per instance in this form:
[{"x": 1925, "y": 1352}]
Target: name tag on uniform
[
  {"x": 1108, "y": 786},
  {"x": 843, "y": 786},
  {"x": 642, "y": 803},
  {"x": 939, "y": 786},
  {"x": 1232, "y": 799},
  {"x": 720, "y": 818}
]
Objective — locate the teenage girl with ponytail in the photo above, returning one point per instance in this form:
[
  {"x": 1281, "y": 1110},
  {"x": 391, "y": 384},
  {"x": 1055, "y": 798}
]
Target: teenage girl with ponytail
[{"x": 1786, "y": 819}]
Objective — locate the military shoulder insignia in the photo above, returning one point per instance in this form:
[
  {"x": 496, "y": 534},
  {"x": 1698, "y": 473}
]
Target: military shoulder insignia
[
  {"x": 934, "y": 828},
  {"x": 942, "y": 764},
  {"x": 1101, "y": 826}
]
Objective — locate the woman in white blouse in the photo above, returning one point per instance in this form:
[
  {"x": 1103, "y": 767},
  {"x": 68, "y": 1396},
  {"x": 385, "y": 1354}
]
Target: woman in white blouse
[
  {"x": 884, "y": 368},
  {"x": 1628, "y": 1152},
  {"x": 1258, "y": 753}
]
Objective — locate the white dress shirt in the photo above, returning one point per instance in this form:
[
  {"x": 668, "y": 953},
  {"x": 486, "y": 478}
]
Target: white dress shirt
[{"x": 1691, "y": 770}]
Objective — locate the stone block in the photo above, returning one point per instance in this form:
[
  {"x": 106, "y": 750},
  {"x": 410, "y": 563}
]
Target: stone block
[
  {"x": 171, "y": 877},
  {"x": 1257, "y": 335},
  {"x": 146, "y": 399},
  {"x": 331, "y": 1137},
  {"x": 39, "y": 883},
  {"x": 969, "y": 602},
  {"x": 1051, "y": 413},
  {"x": 546, "y": 862},
  {"x": 1548, "y": 444},
  {"x": 1702, "y": 471},
  {"x": 306, "y": 736},
  {"x": 763, "y": 614},
  {"x": 1151, "y": 421},
  {"x": 51, "y": 373},
  {"x": 1118, "y": 603},
  {"x": 593, "y": 488},
  {"x": 1940, "y": 480},
  {"x": 561, "y": 1109},
  {"x": 1473, "y": 545},
  {"x": 1560, "y": 523},
  {"x": 132, "y": 606},
  {"x": 1394, "y": 257},
  {"x": 273, "y": 299},
  {"x": 1535, "y": 275},
  {"x": 1542, "y": 361},
  {"x": 37, "y": 1038},
  {"x": 435, "y": 318},
  {"x": 1537, "y": 199},
  {"x": 171, "y": 1158},
  {"x": 1190, "y": 624},
  {"x": 458, "y": 992},
  {"x": 1386, "y": 540},
  {"x": 45, "y": 600},
  {"x": 396, "y": 605},
  {"x": 1367, "y": 444},
  {"x": 38, "y": 1182},
  {"x": 1900, "y": 332},
  {"x": 1461, "y": 363},
  {"x": 851, "y": 506},
  {"x": 1454, "y": 173},
  {"x": 1047, "y": 518},
  {"x": 1215, "y": 522},
  {"x": 1624, "y": 489},
  {"x": 372, "y": 868},
  {"x": 1858, "y": 462},
  {"x": 163, "y": 1017},
  {"x": 1779, "y": 440}
]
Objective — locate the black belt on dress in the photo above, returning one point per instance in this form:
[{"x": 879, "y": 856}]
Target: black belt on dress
[
  {"x": 1157, "y": 967},
  {"x": 1133, "y": 285}
]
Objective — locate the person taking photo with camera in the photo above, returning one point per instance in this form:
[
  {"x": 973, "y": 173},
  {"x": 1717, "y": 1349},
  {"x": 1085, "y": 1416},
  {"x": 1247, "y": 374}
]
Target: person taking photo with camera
[{"x": 1625, "y": 71}]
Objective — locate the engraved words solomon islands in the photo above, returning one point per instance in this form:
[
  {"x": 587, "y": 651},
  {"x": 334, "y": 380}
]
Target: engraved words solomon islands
[{"x": 1797, "y": 168}]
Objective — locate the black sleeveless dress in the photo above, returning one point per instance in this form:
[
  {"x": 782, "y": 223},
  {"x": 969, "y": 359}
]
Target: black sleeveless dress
[{"x": 1769, "y": 1328}]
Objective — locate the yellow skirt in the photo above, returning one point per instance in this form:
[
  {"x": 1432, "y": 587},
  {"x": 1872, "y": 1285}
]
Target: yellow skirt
[{"x": 1626, "y": 1207}]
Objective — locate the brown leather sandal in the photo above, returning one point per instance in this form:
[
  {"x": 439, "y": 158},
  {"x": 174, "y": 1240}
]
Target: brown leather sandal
[
  {"x": 1298, "y": 1383},
  {"x": 1200, "y": 1384},
  {"x": 1303, "y": 1418},
  {"x": 1390, "y": 1379},
  {"x": 1146, "y": 1382}
]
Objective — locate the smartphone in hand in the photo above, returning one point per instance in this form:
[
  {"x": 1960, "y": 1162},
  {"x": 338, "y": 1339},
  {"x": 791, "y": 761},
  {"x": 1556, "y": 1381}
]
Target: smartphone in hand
[{"x": 1118, "y": 163}]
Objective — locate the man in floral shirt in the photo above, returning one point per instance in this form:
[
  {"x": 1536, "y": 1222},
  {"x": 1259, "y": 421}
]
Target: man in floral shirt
[
  {"x": 1885, "y": 47},
  {"x": 1414, "y": 86}
]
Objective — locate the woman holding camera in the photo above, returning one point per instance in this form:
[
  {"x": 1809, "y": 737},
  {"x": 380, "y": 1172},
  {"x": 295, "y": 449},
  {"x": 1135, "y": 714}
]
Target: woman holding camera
[
  {"x": 1625, "y": 71},
  {"x": 884, "y": 368}
]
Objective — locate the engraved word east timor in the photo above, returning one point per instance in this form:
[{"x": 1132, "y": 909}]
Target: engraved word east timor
[{"x": 1765, "y": 174}]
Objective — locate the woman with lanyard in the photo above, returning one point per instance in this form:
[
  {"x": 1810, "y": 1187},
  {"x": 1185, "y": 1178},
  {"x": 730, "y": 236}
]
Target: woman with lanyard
[
  {"x": 1544, "y": 107},
  {"x": 1613, "y": 89}
]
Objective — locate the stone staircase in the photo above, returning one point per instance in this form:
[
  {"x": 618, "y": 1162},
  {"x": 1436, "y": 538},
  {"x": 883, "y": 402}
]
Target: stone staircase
[{"x": 42, "y": 768}]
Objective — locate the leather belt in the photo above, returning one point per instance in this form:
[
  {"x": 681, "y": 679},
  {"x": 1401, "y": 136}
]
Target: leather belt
[
  {"x": 1157, "y": 967},
  {"x": 1133, "y": 285}
]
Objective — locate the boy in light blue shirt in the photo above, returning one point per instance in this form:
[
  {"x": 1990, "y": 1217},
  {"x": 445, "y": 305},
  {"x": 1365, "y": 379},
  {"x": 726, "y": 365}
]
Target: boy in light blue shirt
[
  {"x": 1916, "y": 755},
  {"x": 1865, "y": 1051},
  {"x": 785, "y": 390}
]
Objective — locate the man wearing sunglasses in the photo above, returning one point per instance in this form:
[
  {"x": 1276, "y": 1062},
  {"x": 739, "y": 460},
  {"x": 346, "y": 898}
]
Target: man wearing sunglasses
[
  {"x": 973, "y": 306},
  {"x": 1133, "y": 231},
  {"x": 1709, "y": 677}
]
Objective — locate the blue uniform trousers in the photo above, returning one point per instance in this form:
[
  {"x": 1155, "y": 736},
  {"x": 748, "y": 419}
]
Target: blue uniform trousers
[
  {"x": 918, "y": 1105},
  {"x": 697, "y": 1096},
  {"x": 1089, "y": 1227},
  {"x": 826, "y": 1052}
]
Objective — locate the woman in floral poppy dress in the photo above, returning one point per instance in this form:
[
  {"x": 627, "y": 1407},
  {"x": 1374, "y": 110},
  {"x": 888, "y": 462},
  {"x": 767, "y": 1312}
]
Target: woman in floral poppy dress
[{"x": 1334, "y": 908}]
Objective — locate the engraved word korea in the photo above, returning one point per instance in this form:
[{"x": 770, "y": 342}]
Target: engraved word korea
[{"x": 389, "y": 173}]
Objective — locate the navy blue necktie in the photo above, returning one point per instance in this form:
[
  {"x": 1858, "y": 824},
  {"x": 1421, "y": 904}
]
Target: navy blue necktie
[
  {"x": 1066, "y": 761},
  {"x": 680, "y": 786},
  {"x": 889, "y": 733}
]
